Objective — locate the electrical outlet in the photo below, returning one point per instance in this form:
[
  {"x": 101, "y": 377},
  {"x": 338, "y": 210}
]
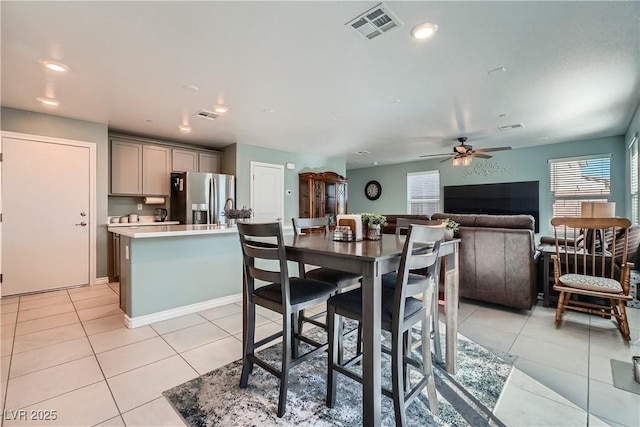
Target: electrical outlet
[{"x": 139, "y": 206}]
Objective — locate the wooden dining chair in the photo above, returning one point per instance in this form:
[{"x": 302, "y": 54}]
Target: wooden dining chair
[
  {"x": 400, "y": 311},
  {"x": 342, "y": 279},
  {"x": 267, "y": 262},
  {"x": 593, "y": 267}
]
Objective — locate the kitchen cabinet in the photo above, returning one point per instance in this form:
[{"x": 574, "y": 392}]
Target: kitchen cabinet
[
  {"x": 156, "y": 170},
  {"x": 183, "y": 160},
  {"x": 208, "y": 162},
  {"x": 126, "y": 167},
  {"x": 322, "y": 194}
]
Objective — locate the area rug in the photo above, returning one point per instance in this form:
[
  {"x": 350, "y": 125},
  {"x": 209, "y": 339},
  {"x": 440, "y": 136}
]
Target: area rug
[{"x": 467, "y": 398}]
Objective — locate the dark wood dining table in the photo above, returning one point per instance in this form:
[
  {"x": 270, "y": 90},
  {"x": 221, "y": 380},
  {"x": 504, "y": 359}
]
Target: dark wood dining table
[{"x": 372, "y": 259}]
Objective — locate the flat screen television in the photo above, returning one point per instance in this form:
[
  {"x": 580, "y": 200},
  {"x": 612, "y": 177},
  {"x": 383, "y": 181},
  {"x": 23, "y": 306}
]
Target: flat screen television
[{"x": 508, "y": 198}]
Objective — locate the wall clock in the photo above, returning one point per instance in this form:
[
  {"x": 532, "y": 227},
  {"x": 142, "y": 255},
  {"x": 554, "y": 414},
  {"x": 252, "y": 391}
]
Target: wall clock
[{"x": 373, "y": 190}]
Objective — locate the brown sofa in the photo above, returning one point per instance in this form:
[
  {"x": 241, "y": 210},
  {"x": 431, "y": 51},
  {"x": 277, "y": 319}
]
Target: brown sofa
[
  {"x": 497, "y": 258},
  {"x": 390, "y": 228}
]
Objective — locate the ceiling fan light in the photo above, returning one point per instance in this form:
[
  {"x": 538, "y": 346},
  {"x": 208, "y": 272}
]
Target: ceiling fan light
[
  {"x": 466, "y": 161},
  {"x": 424, "y": 30},
  {"x": 457, "y": 161}
]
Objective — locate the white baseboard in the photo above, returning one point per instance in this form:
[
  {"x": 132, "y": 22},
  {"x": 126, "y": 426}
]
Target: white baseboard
[
  {"x": 102, "y": 280},
  {"x": 147, "y": 319}
]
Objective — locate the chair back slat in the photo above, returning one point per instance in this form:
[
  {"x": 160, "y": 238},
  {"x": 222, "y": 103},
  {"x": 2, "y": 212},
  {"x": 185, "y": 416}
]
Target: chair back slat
[
  {"x": 591, "y": 246},
  {"x": 316, "y": 224}
]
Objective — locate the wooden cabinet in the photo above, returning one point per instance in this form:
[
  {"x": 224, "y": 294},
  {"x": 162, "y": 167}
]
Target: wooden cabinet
[
  {"x": 139, "y": 169},
  {"x": 183, "y": 160},
  {"x": 156, "y": 170},
  {"x": 126, "y": 167},
  {"x": 208, "y": 162},
  {"x": 322, "y": 194}
]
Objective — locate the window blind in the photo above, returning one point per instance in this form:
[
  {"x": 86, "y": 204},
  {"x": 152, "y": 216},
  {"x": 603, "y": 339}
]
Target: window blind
[
  {"x": 423, "y": 192},
  {"x": 633, "y": 179},
  {"x": 578, "y": 180}
]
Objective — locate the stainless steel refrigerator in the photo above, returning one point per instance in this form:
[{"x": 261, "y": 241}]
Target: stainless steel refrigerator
[{"x": 200, "y": 198}]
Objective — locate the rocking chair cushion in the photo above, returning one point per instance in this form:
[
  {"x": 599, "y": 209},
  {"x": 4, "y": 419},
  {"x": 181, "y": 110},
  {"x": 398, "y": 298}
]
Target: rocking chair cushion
[{"x": 591, "y": 283}]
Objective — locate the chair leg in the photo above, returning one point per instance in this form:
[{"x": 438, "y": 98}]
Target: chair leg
[
  {"x": 435, "y": 321},
  {"x": 286, "y": 361},
  {"x": 332, "y": 374},
  {"x": 359, "y": 339},
  {"x": 427, "y": 366},
  {"x": 296, "y": 325},
  {"x": 248, "y": 342},
  {"x": 623, "y": 321},
  {"x": 397, "y": 377},
  {"x": 407, "y": 351},
  {"x": 340, "y": 329},
  {"x": 561, "y": 306}
]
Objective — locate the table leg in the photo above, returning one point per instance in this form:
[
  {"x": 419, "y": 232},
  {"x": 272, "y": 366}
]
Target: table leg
[
  {"x": 545, "y": 278},
  {"x": 371, "y": 358},
  {"x": 451, "y": 311}
]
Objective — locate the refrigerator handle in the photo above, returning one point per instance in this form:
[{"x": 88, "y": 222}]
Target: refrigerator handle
[{"x": 213, "y": 201}]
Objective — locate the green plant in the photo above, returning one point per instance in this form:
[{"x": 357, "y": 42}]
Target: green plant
[
  {"x": 373, "y": 219},
  {"x": 452, "y": 225},
  {"x": 238, "y": 213}
]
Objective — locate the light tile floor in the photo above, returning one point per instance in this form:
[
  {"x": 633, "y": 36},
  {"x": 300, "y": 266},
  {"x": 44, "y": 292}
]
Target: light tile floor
[{"x": 68, "y": 351}]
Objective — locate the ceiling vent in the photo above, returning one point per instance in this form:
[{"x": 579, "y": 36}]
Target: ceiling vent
[
  {"x": 510, "y": 127},
  {"x": 209, "y": 115},
  {"x": 375, "y": 22}
]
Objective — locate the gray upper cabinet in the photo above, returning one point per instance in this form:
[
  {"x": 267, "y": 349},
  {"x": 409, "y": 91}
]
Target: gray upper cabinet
[
  {"x": 156, "y": 170},
  {"x": 183, "y": 160},
  {"x": 126, "y": 167},
  {"x": 209, "y": 162}
]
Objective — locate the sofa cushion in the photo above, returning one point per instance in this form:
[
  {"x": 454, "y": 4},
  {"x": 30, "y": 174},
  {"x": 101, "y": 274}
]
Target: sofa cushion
[{"x": 498, "y": 221}]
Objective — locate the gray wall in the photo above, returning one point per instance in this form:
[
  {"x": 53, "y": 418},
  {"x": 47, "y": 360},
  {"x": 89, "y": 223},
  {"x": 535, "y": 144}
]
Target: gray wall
[
  {"x": 29, "y": 122},
  {"x": 245, "y": 154},
  {"x": 524, "y": 164}
]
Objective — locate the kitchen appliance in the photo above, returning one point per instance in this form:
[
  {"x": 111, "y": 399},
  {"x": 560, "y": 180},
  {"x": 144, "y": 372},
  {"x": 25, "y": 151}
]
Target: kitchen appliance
[
  {"x": 161, "y": 215},
  {"x": 200, "y": 198}
]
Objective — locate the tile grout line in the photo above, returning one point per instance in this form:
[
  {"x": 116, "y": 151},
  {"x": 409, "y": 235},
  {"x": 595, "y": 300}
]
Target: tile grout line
[{"x": 13, "y": 343}]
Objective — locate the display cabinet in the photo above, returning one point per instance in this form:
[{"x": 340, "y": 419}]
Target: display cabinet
[{"x": 322, "y": 194}]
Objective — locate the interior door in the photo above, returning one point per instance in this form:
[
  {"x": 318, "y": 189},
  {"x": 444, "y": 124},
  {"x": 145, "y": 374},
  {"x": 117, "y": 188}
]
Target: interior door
[
  {"x": 267, "y": 188},
  {"x": 46, "y": 201}
]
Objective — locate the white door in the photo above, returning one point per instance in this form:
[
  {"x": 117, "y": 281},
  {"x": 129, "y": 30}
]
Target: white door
[
  {"x": 46, "y": 199},
  {"x": 267, "y": 188}
]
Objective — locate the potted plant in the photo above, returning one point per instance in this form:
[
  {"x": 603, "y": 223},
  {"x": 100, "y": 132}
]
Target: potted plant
[
  {"x": 373, "y": 223},
  {"x": 235, "y": 214},
  {"x": 451, "y": 228}
]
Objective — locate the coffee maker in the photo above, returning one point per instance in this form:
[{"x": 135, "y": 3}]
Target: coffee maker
[{"x": 161, "y": 215}]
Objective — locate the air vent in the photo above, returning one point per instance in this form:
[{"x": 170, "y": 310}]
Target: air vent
[
  {"x": 375, "y": 22},
  {"x": 510, "y": 127},
  {"x": 209, "y": 115}
]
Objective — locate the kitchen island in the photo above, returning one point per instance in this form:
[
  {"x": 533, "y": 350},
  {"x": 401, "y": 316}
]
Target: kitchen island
[{"x": 172, "y": 270}]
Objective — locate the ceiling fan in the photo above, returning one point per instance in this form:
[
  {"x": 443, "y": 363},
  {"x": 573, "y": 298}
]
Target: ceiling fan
[{"x": 463, "y": 153}]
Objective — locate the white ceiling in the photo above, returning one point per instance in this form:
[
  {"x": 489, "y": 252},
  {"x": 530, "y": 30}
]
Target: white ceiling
[{"x": 572, "y": 72}]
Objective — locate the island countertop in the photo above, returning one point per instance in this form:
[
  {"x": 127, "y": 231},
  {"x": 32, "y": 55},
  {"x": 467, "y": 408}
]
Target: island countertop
[{"x": 171, "y": 230}]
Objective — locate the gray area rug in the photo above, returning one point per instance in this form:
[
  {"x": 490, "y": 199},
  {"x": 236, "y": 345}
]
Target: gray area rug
[{"x": 467, "y": 398}]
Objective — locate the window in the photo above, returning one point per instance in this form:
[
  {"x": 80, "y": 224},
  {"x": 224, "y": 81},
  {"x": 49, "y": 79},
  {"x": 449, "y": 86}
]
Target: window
[
  {"x": 423, "y": 192},
  {"x": 576, "y": 180},
  {"x": 633, "y": 179}
]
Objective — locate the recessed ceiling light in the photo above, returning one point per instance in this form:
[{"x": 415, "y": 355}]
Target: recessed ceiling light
[
  {"x": 190, "y": 87},
  {"x": 424, "y": 30},
  {"x": 360, "y": 153},
  {"x": 496, "y": 71},
  {"x": 149, "y": 121},
  {"x": 269, "y": 110},
  {"x": 502, "y": 115},
  {"x": 54, "y": 66},
  {"x": 48, "y": 102},
  {"x": 375, "y": 163},
  {"x": 184, "y": 128},
  {"x": 221, "y": 109}
]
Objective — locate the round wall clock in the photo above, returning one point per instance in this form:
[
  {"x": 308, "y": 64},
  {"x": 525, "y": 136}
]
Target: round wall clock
[{"x": 373, "y": 190}]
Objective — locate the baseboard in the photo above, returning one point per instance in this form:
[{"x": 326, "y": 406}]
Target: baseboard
[
  {"x": 147, "y": 319},
  {"x": 102, "y": 280}
]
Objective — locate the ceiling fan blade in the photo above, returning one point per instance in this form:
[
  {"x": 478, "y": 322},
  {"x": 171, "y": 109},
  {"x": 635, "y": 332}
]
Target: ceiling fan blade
[
  {"x": 480, "y": 155},
  {"x": 435, "y": 155},
  {"x": 486, "y": 150},
  {"x": 448, "y": 158}
]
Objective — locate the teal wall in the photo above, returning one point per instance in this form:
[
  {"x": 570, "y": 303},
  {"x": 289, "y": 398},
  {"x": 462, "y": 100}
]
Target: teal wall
[
  {"x": 634, "y": 130},
  {"x": 245, "y": 154},
  {"x": 523, "y": 164},
  {"x": 29, "y": 122}
]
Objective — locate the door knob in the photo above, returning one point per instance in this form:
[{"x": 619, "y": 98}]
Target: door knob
[
  {"x": 82, "y": 224},
  {"x": 83, "y": 214}
]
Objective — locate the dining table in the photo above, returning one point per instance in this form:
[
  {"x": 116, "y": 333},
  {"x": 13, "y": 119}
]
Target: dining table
[{"x": 372, "y": 259}]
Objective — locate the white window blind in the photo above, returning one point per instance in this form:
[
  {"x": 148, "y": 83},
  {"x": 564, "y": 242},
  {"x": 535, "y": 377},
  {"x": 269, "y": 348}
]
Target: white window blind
[
  {"x": 576, "y": 180},
  {"x": 423, "y": 192},
  {"x": 633, "y": 179}
]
